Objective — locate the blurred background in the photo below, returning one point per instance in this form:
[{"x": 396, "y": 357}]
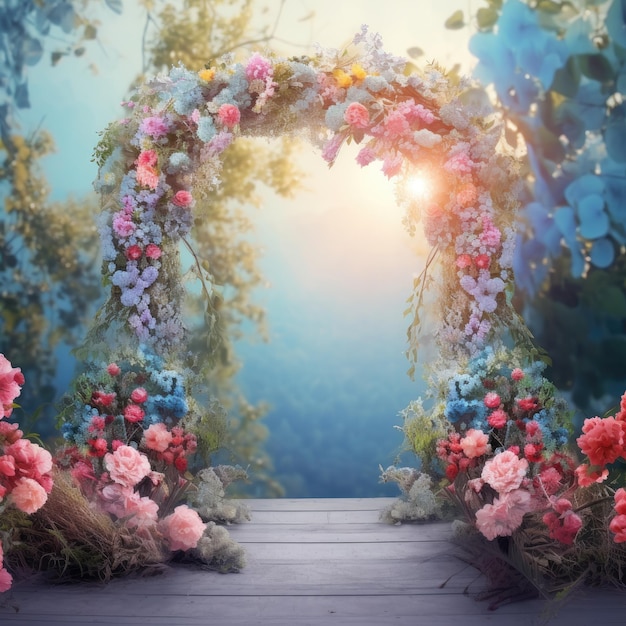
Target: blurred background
[{"x": 315, "y": 265}]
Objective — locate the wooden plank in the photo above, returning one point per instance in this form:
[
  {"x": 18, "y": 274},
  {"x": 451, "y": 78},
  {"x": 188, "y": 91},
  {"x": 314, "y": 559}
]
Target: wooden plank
[
  {"x": 318, "y": 504},
  {"x": 318, "y": 517}
]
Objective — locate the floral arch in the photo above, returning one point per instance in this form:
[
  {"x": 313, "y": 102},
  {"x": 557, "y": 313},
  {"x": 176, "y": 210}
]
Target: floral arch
[{"x": 496, "y": 431}]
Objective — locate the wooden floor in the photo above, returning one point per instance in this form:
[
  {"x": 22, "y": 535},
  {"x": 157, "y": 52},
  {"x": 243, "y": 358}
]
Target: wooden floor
[{"x": 310, "y": 562}]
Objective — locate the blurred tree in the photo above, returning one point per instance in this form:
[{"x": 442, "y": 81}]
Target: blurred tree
[{"x": 558, "y": 70}]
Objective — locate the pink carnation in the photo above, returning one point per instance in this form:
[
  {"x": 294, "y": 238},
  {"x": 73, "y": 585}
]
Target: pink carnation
[
  {"x": 182, "y": 198},
  {"x": 517, "y": 374},
  {"x": 505, "y": 471},
  {"x": 602, "y": 440},
  {"x": 133, "y": 413},
  {"x": 618, "y": 526},
  {"x": 229, "y": 115},
  {"x": 127, "y": 466},
  {"x": 28, "y": 495},
  {"x": 157, "y": 437},
  {"x": 497, "y": 418},
  {"x": 357, "y": 115},
  {"x": 144, "y": 511},
  {"x": 505, "y": 515},
  {"x": 10, "y": 380},
  {"x": 475, "y": 443},
  {"x": 147, "y": 158},
  {"x": 620, "y": 501},
  {"x": 183, "y": 528},
  {"x": 492, "y": 400},
  {"x": 365, "y": 156},
  {"x": 148, "y": 177},
  {"x": 31, "y": 460},
  {"x": 123, "y": 226},
  {"x": 139, "y": 395}
]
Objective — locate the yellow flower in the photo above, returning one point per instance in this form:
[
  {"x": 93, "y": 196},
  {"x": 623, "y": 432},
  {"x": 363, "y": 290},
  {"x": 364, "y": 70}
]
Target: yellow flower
[
  {"x": 207, "y": 75},
  {"x": 358, "y": 72},
  {"x": 343, "y": 80}
]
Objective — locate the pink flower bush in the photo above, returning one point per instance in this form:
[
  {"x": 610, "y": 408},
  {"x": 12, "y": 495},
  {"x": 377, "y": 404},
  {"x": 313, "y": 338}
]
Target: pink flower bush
[
  {"x": 505, "y": 471},
  {"x": 11, "y": 379},
  {"x": 183, "y": 528},
  {"x": 127, "y": 466}
]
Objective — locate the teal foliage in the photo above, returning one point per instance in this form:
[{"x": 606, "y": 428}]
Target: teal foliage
[{"x": 559, "y": 72}]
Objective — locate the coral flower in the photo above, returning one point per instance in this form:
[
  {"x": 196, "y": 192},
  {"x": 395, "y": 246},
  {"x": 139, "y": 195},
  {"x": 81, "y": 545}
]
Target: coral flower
[
  {"x": 463, "y": 261},
  {"x": 475, "y": 443},
  {"x": 517, "y": 374},
  {"x": 183, "y": 528},
  {"x": 133, "y": 413},
  {"x": 602, "y": 440},
  {"x": 182, "y": 198},
  {"x": 28, "y": 495},
  {"x": 620, "y": 501},
  {"x": 153, "y": 251},
  {"x": 505, "y": 471},
  {"x": 147, "y": 158},
  {"x": 157, "y": 437},
  {"x": 134, "y": 253},
  {"x": 113, "y": 369},
  {"x": 505, "y": 515},
  {"x": 618, "y": 526},
  {"x": 492, "y": 400},
  {"x": 229, "y": 115},
  {"x": 497, "y": 419},
  {"x": 10, "y": 380},
  {"x": 357, "y": 115},
  {"x": 585, "y": 476},
  {"x": 139, "y": 395}
]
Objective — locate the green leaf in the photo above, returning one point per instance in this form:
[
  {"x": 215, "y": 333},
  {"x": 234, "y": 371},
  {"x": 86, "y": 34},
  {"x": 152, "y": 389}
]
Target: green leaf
[
  {"x": 597, "y": 67},
  {"x": 455, "y": 21},
  {"x": 486, "y": 17}
]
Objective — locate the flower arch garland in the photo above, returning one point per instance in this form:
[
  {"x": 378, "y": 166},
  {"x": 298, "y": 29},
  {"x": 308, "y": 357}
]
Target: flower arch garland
[{"x": 497, "y": 429}]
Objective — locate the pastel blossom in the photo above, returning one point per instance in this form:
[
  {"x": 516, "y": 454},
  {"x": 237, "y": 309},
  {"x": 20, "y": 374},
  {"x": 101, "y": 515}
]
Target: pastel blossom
[
  {"x": 28, "y": 495},
  {"x": 229, "y": 115},
  {"x": 258, "y": 67},
  {"x": 157, "y": 437},
  {"x": 602, "y": 440},
  {"x": 182, "y": 198},
  {"x": 357, "y": 115},
  {"x": 155, "y": 126},
  {"x": 505, "y": 471},
  {"x": 505, "y": 515},
  {"x": 133, "y": 413},
  {"x": 475, "y": 443},
  {"x": 183, "y": 528},
  {"x": 127, "y": 466}
]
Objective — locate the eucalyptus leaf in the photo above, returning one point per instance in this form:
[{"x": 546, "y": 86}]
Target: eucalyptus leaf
[
  {"x": 456, "y": 21},
  {"x": 486, "y": 17}
]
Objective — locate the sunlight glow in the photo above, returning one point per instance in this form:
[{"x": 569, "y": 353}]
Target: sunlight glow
[{"x": 419, "y": 186}]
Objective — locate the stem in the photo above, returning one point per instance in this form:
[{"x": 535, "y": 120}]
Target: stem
[{"x": 198, "y": 267}]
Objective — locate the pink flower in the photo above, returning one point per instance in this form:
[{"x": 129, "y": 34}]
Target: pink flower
[
  {"x": 144, "y": 511},
  {"x": 139, "y": 395},
  {"x": 517, "y": 374},
  {"x": 563, "y": 524},
  {"x": 153, "y": 251},
  {"x": 467, "y": 195},
  {"x": 497, "y": 419},
  {"x": 528, "y": 404},
  {"x": 602, "y": 440},
  {"x": 10, "y": 380},
  {"x": 331, "y": 148},
  {"x": 148, "y": 177},
  {"x": 7, "y": 465},
  {"x": 258, "y": 67},
  {"x": 396, "y": 124},
  {"x": 585, "y": 476},
  {"x": 620, "y": 501},
  {"x": 357, "y": 115},
  {"x": 475, "y": 443},
  {"x": 464, "y": 261},
  {"x": 113, "y": 369},
  {"x": 482, "y": 261},
  {"x": 365, "y": 156},
  {"x": 113, "y": 498},
  {"x": 127, "y": 466},
  {"x": 182, "y": 198},
  {"x": 505, "y": 515},
  {"x": 183, "y": 528},
  {"x": 5, "y": 580},
  {"x": 505, "y": 471},
  {"x": 157, "y": 437},
  {"x": 492, "y": 400},
  {"x": 31, "y": 460},
  {"x": 123, "y": 226},
  {"x": 147, "y": 158},
  {"x": 618, "y": 526},
  {"x": 28, "y": 495},
  {"x": 154, "y": 126},
  {"x": 133, "y": 253},
  {"x": 133, "y": 413},
  {"x": 392, "y": 164},
  {"x": 229, "y": 115}
]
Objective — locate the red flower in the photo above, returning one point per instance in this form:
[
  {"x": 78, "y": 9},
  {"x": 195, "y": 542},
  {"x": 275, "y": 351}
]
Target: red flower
[
  {"x": 133, "y": 253},
  {"x": 602, "y": 440},
  {"x": 139, "y": 395},
  {"x": 100, "y": 398},
  {"x": 517, "y": 374},
  {"x": 153, "y": 251},
  {"x": 533, "y": 452},
  {"x": 97, "y": 447},
  {"x": 528, "y": 404},
  {"x": 452, "y": 472},
  {"x": 492, "y": 400},
  {"x": 180, "y": 463},
  {"x": 113, "y": 369},
  {"x": 482, "y": 261},
  {"x": 497, "y": 419}
]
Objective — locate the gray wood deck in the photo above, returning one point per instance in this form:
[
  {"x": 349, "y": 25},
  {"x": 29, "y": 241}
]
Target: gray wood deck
[{"x": 310, "y": 562}]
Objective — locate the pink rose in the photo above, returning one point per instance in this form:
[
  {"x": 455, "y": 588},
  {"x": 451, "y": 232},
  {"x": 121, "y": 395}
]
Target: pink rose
[
  {"x": 505, "y": 515},
  {"x": 133, "y": 413},
  {"x": 505, "y": 471},
  {"x": 139, "y": 395},
  {"x": 144, "y": 511},
  {"x": 182, "y": 198},
  {"x": 10, "y": 380},
  {"x": 31, "y": 460},
  {"x": 153, "y": 251},
  {"x": 127, "y": 466},
  {"x": 157, "y": 437},
  {"x": 475, "y": 443},
  {"x": 183, "y": 528},
  {"x": 28, "y": 495},
  {"x": 492, "y": 400},
  {"x": 229, "y": 115},
  {"x": 497, "y": 418},
  {"x": 357, "y": 115}
]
